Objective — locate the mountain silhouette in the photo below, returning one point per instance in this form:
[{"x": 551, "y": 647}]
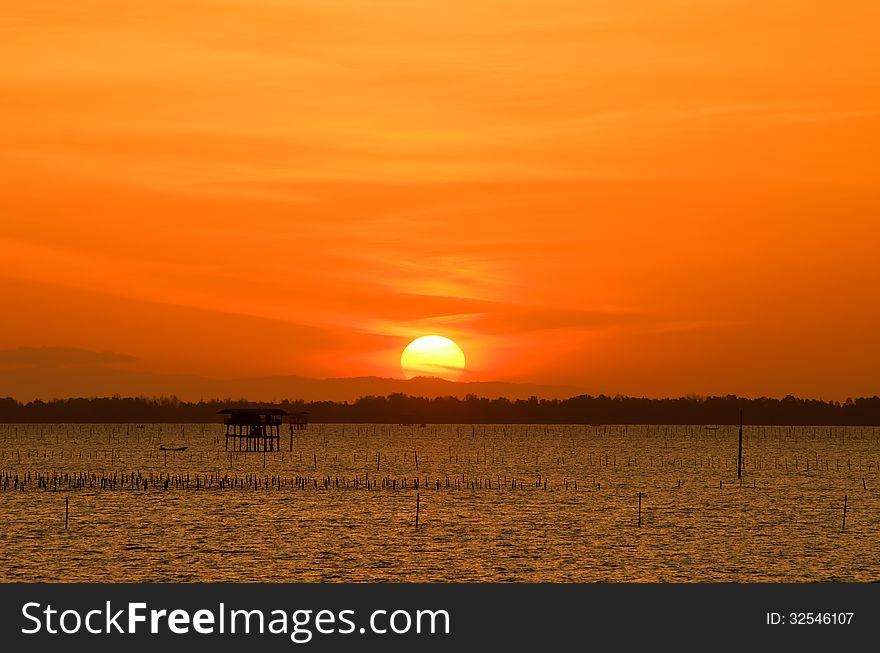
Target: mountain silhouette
[{"x": 48, "y": 373}]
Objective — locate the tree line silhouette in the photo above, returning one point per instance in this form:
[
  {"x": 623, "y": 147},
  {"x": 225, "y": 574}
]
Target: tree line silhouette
[{"x": 400, "y": 408}]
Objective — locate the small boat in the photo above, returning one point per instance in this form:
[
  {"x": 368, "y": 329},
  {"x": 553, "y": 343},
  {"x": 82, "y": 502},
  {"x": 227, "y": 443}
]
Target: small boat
[
  {"x": 711, "y": 428},
  {"x": 161, "y": 448}
]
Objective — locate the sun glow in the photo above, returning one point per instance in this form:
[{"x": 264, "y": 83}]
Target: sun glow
[{"x": 432, "y": 356}]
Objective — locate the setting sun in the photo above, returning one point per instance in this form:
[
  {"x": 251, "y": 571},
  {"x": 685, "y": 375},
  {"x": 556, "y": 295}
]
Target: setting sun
[{"x": 432, "y": 356}]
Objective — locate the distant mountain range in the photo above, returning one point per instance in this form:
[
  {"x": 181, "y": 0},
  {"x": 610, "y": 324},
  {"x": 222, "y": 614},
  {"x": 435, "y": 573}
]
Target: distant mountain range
[{"x": 49, "y": 382}]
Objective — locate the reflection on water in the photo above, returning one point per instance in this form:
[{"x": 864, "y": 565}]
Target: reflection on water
[{"x": 308, "y": 515}]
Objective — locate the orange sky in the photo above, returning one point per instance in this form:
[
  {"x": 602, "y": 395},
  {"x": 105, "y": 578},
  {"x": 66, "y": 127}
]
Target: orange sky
[{"x": 639, "y": 196}]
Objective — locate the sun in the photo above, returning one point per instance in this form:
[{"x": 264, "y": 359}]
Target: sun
[{"x": 432, "y": 356}]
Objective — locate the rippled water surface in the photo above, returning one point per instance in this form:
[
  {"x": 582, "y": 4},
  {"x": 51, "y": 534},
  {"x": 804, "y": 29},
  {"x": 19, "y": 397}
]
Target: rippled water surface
[{"x": 485, "y": 513}]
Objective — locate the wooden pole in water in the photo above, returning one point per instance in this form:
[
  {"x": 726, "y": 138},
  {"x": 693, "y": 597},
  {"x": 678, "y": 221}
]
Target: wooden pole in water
[
  {"x": 640, "y": 509},
  {"x": 417, "y": 510},
  {"x": 739, "y": 456},
  {"x": 844, "y": 512},
  {"x": 66, "y": 511}
]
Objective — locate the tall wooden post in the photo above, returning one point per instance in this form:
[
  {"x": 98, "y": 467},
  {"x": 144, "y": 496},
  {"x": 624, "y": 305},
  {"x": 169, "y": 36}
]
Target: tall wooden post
[
  {"x": 640, "y": 509},
  {"x": 739, "y": 456}
]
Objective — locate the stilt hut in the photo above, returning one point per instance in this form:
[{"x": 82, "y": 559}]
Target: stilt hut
[
  {"x": 299, "y": 421},
  {"x": 253, "y": 429}
]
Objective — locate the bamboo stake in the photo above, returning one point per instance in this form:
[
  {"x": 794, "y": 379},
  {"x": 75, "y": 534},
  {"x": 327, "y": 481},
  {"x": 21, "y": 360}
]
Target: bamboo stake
[{"x": 739, "y": 457}]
